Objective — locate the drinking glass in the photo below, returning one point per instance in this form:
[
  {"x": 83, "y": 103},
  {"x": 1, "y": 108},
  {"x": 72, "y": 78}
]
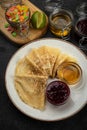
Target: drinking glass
[
  {"x": 81, "y": 25},
  {"x": 60, "y": 23},
  {"x": 21, "y": 27}
]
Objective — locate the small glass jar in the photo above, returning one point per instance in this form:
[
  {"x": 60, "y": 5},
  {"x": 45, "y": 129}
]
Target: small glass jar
[
  {"x": 60, "y": 22},
  {"x": 81, "y": 25},
  {"x": 7, "y": 3}
]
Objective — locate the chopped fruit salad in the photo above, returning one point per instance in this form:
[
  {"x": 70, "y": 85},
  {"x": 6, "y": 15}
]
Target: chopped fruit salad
[{"x": 18, "y": 13}]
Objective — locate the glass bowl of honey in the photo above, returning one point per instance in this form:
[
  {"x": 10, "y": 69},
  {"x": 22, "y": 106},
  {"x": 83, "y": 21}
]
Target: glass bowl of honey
[
  {"x": 70, "y": 72},
  {"x": 60, "y": 22}
]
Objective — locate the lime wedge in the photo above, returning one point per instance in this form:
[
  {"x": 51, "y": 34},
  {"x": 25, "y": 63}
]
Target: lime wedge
[{"x": 38, "y": 20}]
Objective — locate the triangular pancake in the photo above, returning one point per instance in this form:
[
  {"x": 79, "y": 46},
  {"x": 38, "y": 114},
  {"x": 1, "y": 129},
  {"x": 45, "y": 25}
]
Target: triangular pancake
[
  {"x": 24, "y": 66},
  {"x": 34, "y": 57},
  {"x": 44, "y": 57},
  {"x": 60, "y": 59},
  {"x": 31, "y": 90},
  {"x": 53, "y": 54},
  {"x": 63, "y": 57}
]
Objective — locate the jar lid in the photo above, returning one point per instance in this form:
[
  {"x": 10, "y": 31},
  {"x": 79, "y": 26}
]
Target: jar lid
[{"x": 82, "y": 9}]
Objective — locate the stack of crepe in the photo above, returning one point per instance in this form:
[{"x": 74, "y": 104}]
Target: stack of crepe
[{"x": 33, "y": 71}]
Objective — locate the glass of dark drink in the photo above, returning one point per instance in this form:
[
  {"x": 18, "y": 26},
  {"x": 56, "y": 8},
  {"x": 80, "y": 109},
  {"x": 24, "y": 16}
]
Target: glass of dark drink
[{"x": 81, "y": 25}]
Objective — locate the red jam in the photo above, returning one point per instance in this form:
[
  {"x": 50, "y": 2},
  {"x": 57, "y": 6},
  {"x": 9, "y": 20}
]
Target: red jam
[{"x": 57, "y": 92}]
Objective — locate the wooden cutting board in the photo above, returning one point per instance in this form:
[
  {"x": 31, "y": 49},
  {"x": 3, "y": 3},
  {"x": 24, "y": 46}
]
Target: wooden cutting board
[{"x": 33, "y": 33}]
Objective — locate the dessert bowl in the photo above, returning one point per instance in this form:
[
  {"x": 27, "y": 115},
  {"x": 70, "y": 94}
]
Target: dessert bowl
[{"x": 57, "y": 92}]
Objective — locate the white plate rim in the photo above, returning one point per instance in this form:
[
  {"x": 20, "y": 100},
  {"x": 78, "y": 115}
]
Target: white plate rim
[{"x": 8, "y": 90}]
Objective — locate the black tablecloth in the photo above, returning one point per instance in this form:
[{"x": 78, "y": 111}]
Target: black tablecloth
[{"x": 10, "y": 116}]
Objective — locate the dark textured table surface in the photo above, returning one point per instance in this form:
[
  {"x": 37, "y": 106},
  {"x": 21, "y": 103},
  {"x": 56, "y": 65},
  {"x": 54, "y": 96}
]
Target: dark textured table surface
[{"x": 10, "y": 117}]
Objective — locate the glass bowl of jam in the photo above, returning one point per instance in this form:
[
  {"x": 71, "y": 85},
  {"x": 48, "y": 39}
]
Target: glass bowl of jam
[
  {"x": 60, "y": 22},
  {"x": 57, "y": 93},
  {"x": 70, "y": 72}
]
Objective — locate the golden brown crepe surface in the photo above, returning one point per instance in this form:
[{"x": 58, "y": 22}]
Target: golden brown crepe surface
[
  {"x": 53, "y": 54},
  {"x": 35, "y": 58},
  {"x": 25, "y": 66},
  {"x": 44, "y": 57},
  {"x": 31, "y": 89}
]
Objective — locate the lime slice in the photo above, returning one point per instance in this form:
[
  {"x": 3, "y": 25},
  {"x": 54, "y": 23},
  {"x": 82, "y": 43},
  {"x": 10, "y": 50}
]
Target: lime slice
[{"x": 38, "y": 20}]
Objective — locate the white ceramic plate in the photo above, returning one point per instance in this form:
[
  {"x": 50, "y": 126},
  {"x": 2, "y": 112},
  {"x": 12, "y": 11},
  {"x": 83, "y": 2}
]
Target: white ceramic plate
[{"x": 78, "y": 96}]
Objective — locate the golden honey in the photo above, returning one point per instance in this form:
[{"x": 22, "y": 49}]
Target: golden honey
[
  {"x": 69, "y": 72},
  {"x": 60, "y": 23}
]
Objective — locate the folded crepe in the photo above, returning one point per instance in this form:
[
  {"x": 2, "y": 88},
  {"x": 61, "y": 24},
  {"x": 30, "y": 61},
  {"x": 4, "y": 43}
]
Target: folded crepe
[
  {"x": 53, "y": 54},
  {"x": 62, "y": 57},
  {"x": 25, "y": 66},
  {"x": 35, "y": 58},
  {"x": 44, "y": 57},
  {"x": 31, "y": 89}
]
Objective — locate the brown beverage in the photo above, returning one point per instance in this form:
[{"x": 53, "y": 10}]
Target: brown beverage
[{"x": 82, "y": 27}]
